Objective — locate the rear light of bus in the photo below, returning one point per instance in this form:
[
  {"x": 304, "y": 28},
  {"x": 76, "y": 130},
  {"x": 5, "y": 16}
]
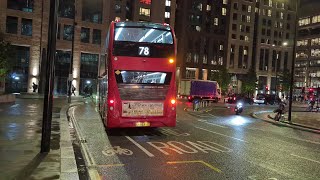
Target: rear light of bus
[
  {"x": 111, "y": 103},
  {"x": 173, "y": 101},
  {"x": 171, "y": 61}
]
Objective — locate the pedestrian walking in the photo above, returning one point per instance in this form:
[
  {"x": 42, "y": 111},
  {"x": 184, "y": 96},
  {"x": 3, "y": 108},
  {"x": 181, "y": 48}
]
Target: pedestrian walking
[
  {"x": 73, "y": 89},
  {"x": 35, "y": 87}
]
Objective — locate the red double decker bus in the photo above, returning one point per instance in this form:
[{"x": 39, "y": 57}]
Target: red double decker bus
[{"x": 137, "y": 85}]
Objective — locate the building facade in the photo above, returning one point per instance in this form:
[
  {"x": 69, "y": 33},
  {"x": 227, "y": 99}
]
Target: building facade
[
  {"x": 307, "y": 64},
  {"x": 261, "y": 37},
  {"x": 201, "y": 29},
  {"x": 25, "y": 25}
]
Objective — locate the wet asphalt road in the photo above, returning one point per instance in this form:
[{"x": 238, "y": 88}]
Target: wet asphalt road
[
  {"x": 210, "y": 145},
  {"x": 20, "y": 133}
]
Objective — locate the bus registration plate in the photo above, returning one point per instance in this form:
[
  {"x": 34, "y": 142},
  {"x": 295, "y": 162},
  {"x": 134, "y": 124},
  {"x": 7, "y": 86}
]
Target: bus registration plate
[{"x": 134, "y": 109}]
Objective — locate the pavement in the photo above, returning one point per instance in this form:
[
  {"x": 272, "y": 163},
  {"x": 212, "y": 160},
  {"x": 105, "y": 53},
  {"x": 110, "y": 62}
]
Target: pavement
[
  {"x": 309, "y": 121},
  {"x": 20, "y": 140}
]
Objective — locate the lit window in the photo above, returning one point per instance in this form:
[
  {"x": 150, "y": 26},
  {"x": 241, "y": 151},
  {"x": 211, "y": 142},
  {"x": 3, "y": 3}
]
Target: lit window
[
  {"x": 144, "y": 11},
  {"x": 224, "y": 11},
  {"x": 220, "y": 60},
  {"x": 225, "y": 1},
  {"x": 167, "y": 14},
  {"x": 249, "y": 8},
  {"x": 270, "y": 3},
  {"x": 168, "y": 3},
  {"x": 281, "y": 15},
  {"x": 248, "y": 19},
  {"x": 245, "y": 52},
  {"x": 315, "y": 52},
  {"x": 246, "y": 38},
  {"x": 216, "y": 21},
  {"x": 198, "y": 28},
  {"x": 316, "y": 19},
  {"x": 145, "y": 1},
  {"x": 191, "y": 73},
  {"x": 304, "y": 21},
  {"x": 221, "y": 47},
  {"x": 208, "y": 7},
  {"x": 315, "y": 41},
  {"x": 269, "y": 13}
]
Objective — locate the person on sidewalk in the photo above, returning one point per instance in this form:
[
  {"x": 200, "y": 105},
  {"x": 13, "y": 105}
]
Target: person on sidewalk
[
  {"x": 73, "y": 89},
  {"x": 280, "y": 111},
  {"x": 35, "y": 87}
]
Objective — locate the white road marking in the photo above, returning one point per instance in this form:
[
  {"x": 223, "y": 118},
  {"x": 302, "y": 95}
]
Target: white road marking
[
  {"x": 205, "y": 121},
  {"x": 305, "y": 158},
  {"x": 299, "y": 139},
  {"x": 216, "y": 125},
  {"x": 221, "y": 134},
  {"x": 189, "y": 147},
  {"x": 140, "y": 147}
]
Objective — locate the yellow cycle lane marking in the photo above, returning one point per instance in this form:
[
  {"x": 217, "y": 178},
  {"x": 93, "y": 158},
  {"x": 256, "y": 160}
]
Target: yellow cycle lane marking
[{"x": 198, "y": 161}]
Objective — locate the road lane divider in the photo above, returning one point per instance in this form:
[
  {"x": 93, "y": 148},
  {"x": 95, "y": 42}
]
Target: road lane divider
[
  {"x": 213, "y": 124},
  {"x": 148, "y": 153},
  {"x": 220, "y": 134},
  {"x": 201, "y": 162},
  {"x": 305, "y": 158}
]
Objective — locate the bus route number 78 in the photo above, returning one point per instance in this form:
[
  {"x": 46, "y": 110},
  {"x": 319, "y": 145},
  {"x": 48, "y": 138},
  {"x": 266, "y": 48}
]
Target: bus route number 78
[{"x": 144, "y": 51}]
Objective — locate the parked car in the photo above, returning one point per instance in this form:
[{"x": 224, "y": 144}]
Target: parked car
[
  {"x": 272, "y": 99},
  {"x": 260, "y": 99}
]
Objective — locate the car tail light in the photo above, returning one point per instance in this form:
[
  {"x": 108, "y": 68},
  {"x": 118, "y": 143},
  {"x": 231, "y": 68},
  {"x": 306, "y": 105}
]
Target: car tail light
[
  {"x": 189, "y": 97},
  {"x": 173, "y": 101},
  {"x": 234, "y": 98}
]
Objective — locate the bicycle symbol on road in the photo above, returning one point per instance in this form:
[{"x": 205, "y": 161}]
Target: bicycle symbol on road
[{"x": 116, "y": 150}]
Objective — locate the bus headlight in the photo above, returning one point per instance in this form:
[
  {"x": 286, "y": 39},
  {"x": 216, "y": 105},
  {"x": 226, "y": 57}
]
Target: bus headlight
[{"x": 171, "y": 61}]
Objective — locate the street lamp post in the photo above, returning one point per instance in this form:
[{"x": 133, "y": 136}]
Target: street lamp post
[
  {"x": 70, "y": 78},
  {"x": 293, "y": 60},
  {"x": 48, "y": 96}
]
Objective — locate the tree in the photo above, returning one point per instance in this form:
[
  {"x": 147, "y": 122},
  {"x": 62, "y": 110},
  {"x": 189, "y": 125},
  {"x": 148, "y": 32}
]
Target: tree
[
  {"x": 285, "y": 80},
  {"x": 249, "y": 82},
  {"x": 6, "y": 54},
  {"x": 222, "y": 76}
]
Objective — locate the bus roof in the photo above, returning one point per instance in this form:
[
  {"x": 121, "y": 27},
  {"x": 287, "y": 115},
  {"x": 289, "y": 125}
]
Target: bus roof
[{"x": 143, "y": 24}]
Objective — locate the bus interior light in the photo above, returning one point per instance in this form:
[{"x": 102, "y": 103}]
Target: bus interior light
[{"x": 171, "y": 61}]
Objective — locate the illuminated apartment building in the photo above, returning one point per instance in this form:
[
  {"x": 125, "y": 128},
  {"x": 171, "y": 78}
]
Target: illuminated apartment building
[{"x": 25, "y": 25}]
